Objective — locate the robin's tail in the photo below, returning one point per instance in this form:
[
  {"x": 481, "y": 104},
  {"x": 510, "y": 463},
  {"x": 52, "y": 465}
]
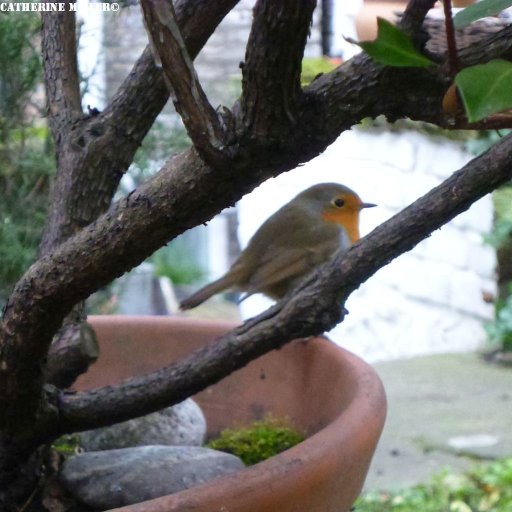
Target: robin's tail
[{"x": 207, "y": 291}]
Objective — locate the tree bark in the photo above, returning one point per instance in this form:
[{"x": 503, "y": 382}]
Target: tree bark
[
  {"x": 271, "y": 92},
  {"x": 88, "y": 171},
  {"x": 71, "y": 353},
  {"x": 204, "y": 126}
]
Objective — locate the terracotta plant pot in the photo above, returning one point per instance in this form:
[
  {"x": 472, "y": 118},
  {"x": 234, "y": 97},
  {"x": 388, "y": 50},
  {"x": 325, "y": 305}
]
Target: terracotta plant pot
[
  {"x": 366, "y": 21},
  {"x": 322, "y": 389}
]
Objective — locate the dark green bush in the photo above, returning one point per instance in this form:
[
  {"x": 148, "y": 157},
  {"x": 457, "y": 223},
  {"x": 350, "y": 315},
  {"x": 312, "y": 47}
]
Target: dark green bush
[{"x": 26, "y": 156}]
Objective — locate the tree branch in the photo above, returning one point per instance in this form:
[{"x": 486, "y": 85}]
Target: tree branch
[
  {"x": 311, "y": 310},
  {"x": 499, "y": 121},
  {"x": 88, "y": 170},
  {"x": 87, "y": 176},
  {"x": 349, "y": 88},
  {"x": 60, "y": 70},
  {"x": 112, "y": 244},
  {"x": 144, "y": 93},
  {"x": 203, "y": 124},
  {"x": 271, "y": 80},
  {"x": 72, "y": 352},
  {"x": 180, "y": 196}
]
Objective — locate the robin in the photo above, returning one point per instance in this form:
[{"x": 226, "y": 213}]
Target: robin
[{"x": 300, "y": 236}]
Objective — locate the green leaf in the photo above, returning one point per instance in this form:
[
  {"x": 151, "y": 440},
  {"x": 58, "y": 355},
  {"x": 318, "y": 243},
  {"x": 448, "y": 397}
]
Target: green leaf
[
  {"x": 486, "y": 88},
  {"x": 393, "y": 48},
  {"x": 479, "y": 10}
]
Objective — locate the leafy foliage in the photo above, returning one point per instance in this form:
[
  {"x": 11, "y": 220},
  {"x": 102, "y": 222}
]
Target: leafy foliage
[
  {"x": 263, "y": 439},
  {"x": 486, "y": 88},
  {"x": 394, "y": 48},
  {"x": 175, "y": 263},
  {"x": 501, "y": 233},
  {"x": 313, "y": 67},
  {"x": 485, "y": 489},
  {"x": 479, "y": 10},
  {"x": 20, "y": 68},
  {"x": 26, "y": 160},
  {"x": 500, "y": 331}
]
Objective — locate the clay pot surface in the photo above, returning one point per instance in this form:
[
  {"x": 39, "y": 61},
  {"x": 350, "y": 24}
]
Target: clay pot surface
[
  {"x": 324, "y": 390},
  {"x": 366, "y": 21}
]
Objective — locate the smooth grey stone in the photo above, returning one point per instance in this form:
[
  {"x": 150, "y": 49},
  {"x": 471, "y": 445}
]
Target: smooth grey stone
[
  {"x": 182, "y": 424},
  {"x": 114, "y": 478}
]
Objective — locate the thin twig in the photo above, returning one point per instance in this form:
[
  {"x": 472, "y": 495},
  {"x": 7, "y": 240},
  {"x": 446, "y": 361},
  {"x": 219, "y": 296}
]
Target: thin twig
[
  {"x": 493, "y": 122},
  {"x": 453, "y": 57},
  {"x": 29, "y": 501}
]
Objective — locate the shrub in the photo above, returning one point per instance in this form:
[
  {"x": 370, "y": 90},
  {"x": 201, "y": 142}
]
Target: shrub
[{"x": 487, "y": 488}]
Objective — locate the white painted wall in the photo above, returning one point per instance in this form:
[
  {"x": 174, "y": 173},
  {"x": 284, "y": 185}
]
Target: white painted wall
[
  {"x": 344, "y": 26},
  {"x": 428, "y": 300}
]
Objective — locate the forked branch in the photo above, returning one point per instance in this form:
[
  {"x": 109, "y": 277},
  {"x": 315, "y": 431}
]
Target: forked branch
[
  {"x": 143, "y": 94},
  {"x": 203, "y": 124}
]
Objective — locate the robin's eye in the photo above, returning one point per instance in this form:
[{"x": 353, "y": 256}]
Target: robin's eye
[{"x": 338, "y": 202}]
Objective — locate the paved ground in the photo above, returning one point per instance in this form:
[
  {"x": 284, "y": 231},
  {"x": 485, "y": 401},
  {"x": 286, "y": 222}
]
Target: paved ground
[{"x": 443, "y": 411}]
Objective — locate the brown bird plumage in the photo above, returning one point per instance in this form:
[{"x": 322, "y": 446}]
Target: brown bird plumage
[{"x": 301, "y": 235}]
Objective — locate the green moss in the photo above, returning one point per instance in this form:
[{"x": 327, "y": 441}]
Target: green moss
[
  {"x": 261, "y": 440},
  {"x": 67, "y": 445}
]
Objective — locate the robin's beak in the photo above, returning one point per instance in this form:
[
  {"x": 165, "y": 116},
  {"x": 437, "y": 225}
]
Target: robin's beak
[{"x": 367, "y": 205}]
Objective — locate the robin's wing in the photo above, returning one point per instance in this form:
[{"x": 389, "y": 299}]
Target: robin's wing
[
  {"x": 293, "y": 252},
  {"x": 285, "y": 267}
]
